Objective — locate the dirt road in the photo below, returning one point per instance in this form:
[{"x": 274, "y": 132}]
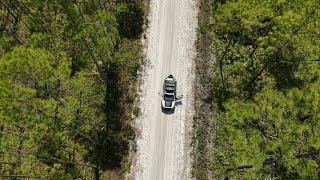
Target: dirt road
[{"x": 163, "y": 150}]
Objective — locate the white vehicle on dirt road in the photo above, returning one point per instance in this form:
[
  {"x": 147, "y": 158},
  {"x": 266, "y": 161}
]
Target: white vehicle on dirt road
[{"x": 169, "y": 98}]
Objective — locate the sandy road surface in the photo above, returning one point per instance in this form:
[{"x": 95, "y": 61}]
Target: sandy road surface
[{"x": 163, "y": 150}]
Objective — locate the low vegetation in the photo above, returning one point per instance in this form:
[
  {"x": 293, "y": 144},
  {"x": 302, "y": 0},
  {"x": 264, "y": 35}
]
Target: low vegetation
[{"x": 264, "y": 91}]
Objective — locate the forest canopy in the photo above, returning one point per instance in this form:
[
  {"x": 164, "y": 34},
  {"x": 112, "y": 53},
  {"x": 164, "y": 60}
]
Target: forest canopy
[
  {"x": 68, "y": 75},
  {"x": 265, "y": 91}
]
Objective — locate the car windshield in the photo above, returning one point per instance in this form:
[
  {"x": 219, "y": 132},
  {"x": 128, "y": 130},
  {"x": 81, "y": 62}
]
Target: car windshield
[{"x": 168, "y": 97}]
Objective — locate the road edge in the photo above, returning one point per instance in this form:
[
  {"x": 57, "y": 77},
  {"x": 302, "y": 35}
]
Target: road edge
[{"x": 203, "y": 116}]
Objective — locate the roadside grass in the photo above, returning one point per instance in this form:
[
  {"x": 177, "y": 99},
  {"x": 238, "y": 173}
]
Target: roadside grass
[
  {"x": 130, "y": 56},
  {"x": 121, "y": 112},
  {"x": 130, "y": 85},
  {"x": 129, "y": 91},
  {"x": 202, "y": 119}
]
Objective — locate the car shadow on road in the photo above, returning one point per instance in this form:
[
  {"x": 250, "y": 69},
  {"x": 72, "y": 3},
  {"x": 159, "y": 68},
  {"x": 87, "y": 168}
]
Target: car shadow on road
[{"x": 178, "y": 103}]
